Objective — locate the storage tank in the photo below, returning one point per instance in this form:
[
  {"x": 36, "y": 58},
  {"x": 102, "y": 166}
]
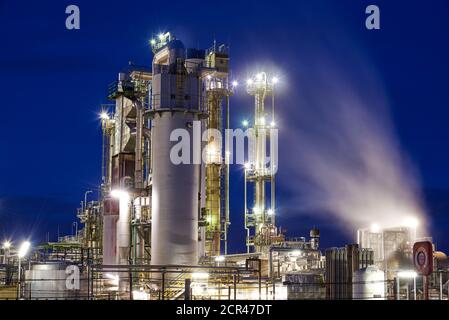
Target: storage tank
[
  {"x": 368, "y": 284},
  {"x": 175, "y": 186},
  {"x": 50, "y": 281}
]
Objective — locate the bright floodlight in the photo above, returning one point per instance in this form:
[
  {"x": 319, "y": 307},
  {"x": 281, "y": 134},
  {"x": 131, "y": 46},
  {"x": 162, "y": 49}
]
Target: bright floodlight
[
  {"x": 296, "y": 253},
  {"x": 220, "y": 258},
  {"x": 119, "y": 194},
  {"x": 161, "y": 36},
  {"x": 6, "y": 244},
  {"x": 249, "y": 81},
  {"x": 259, "y": 76},
  {"x": 247, "y": 166},
  {"x": 104, "y": 115},
  {"x": 200, "y": 275},
  {"x": 115, "y": 278},
  {"x": 411, "y": 222},
  {"x": 274, "y": 80},
  {"x": 209, "y": 77},
  {"x": 273, "y": 124},
  {"x": 23, "y": 250},
  {"x": 140, "y": 295},
  {"x": 270, "y": 212},
  {"x": 409, "y": 274},
  {"x": 245, "y": 123},
  {"x": 235, "y": 83},
  {"x": 262, "y": 121},
  {"x": 375, "y": 228},
  {"x": 153, "y": 42}
]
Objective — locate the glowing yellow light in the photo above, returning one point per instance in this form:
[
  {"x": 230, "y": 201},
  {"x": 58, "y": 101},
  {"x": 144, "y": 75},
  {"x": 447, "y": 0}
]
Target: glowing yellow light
[
  {"x": 153, "y": 42},
  {"x": 6, "y": 244},
  {"x": 211, "y": 150},
  {"x": 245, "y": 123}
]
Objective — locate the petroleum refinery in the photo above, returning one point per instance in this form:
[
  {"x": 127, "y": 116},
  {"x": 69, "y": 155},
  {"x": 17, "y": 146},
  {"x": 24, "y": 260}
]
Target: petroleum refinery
[{"x": 159, "y": 229}]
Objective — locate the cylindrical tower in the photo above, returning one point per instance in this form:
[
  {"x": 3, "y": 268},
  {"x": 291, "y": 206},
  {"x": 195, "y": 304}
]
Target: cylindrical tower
[
  {"x": 260, "y": 169},
  {"x": 174, "y": 235},
  {"x": 175, "y": 113}
]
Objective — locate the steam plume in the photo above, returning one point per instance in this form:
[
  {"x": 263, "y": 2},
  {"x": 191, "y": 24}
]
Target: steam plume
[{"x": 344, "y": 160}]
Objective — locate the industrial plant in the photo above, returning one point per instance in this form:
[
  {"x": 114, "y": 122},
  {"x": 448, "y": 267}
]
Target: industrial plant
[{"x": 159, "y": 228}]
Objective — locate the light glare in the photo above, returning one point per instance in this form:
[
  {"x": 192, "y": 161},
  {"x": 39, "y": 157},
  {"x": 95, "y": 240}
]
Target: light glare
[
  {"x": 119, "y": 194},
  {"x": 200, "y": 275},
  {"x": 411, "y": 222},
  {"x": 375, "y": 228},
  {"x": 24, "y": 249},
  {"x": 104, "y": 115},
  {"x": 409, "y": 274}
]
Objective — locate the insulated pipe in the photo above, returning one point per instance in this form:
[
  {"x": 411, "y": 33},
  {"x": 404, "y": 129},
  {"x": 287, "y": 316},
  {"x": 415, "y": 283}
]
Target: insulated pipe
[{"x": 227, "y": 155}]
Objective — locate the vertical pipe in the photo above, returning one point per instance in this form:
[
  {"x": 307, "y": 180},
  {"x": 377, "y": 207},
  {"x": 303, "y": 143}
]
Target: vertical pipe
[
  {"x": 441, "y": 285},
  {"x": 426, "y": 287},
  {"x": 273, "y": 280},
  {"x": 272, "y": 186},
  {"x": 414, "y": 288},
  {"x": 227, "y": 155},
  {"x": 234, "y": 279},
  {"x": 163, "y": 285},
  {"x": 187, "y": 283},
  {"x": 398, "y": 288},
  {"x": 246, "y": 215},
  {"x": 408, "y": 293}
]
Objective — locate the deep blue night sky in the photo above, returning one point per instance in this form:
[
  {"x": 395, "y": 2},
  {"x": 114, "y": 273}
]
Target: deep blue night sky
[{"x": 53, "y": 81}]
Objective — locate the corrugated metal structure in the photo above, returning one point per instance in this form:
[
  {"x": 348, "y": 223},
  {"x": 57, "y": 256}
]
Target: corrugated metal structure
[{"x": 341, "y": 263}]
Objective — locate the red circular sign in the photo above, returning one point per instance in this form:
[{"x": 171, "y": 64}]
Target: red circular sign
[{"x": 423, "y": 257}]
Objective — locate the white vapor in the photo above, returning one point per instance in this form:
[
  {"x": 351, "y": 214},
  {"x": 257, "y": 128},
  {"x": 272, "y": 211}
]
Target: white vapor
[{"x": 339, "y": 154}]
